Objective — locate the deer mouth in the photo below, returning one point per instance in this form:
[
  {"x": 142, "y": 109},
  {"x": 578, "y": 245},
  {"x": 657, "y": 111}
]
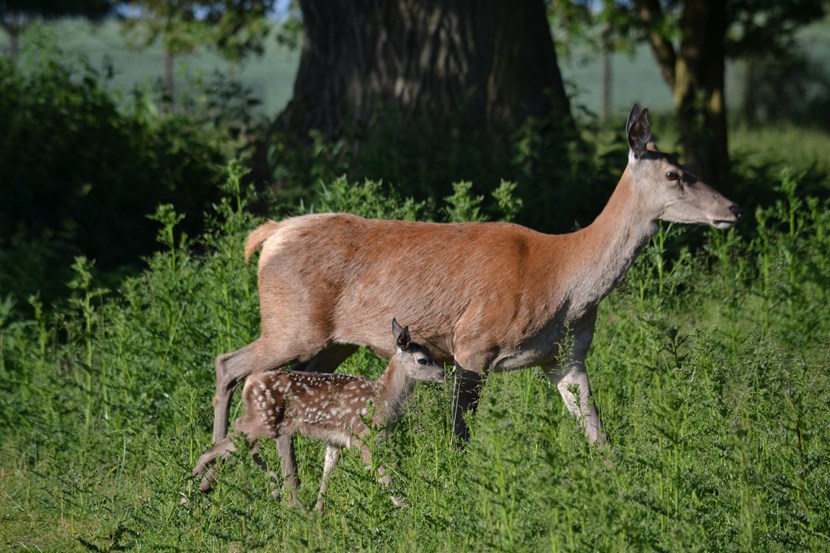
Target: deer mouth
[{"x": 722, "y": 224}]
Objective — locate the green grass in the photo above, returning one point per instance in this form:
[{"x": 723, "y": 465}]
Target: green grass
[{"x": 710, "y": 369}]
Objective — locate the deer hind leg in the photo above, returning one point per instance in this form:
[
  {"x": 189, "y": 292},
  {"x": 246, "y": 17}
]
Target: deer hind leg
[
  {"x": 332, "y": 457},
  {"x": 221, "y": 449},
  {"x": 327, "y": 360},
  {"x": 288, "y": 467},
  {"x": 232, "y": 368}
]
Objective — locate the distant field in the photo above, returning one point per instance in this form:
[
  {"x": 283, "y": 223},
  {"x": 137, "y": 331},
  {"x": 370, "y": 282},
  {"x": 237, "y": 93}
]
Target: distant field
[{"x": 271, "y": 77}]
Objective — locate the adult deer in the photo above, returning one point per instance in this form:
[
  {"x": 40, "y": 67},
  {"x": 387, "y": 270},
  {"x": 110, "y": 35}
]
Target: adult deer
[
  {"x": 330, "y": 407},
  {"x": 485, "y": 296}
]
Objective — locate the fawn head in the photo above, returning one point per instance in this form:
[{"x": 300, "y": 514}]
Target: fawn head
[
  {"x": 667, "y": 189},
  {"x": 413, "y": 358}
]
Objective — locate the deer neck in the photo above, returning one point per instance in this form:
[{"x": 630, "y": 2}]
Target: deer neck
[
  {"x": 602, "y": 252},
  {"x": 394, "y": 388}
]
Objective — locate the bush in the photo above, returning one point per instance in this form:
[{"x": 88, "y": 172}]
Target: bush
[
  {"x": 80, "y": 175},
  {"x": 710, "y": 370}
]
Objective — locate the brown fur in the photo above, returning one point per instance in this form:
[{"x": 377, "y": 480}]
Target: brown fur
[
  {"x": 329, "y": 407},
  {"x": 485, "y": 296}
]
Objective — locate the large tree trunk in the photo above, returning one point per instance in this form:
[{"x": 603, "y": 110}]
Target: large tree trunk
[
  {"x": 488, "y": 64},
  {"x": 695, "y": 73}
]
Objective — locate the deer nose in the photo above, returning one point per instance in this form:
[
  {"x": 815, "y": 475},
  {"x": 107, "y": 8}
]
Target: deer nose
[{"x": 736, "y": 210}]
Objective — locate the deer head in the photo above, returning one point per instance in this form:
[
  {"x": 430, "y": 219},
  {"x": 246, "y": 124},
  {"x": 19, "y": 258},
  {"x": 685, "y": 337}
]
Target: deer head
[
  {"x": 414, "y": 358},
  {"x": 669, "y": 191}
]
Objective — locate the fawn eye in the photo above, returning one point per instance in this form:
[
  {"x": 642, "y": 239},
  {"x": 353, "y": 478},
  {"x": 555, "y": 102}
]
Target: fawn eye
[{"x": 672, "y": 175}]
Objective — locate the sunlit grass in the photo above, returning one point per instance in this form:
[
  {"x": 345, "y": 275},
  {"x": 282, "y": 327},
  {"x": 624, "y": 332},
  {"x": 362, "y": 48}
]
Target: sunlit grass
[{"x": 711, "y": 373}]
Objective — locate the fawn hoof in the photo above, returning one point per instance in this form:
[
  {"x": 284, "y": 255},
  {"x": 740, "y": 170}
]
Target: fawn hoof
[{"x": 398, "y": 501}]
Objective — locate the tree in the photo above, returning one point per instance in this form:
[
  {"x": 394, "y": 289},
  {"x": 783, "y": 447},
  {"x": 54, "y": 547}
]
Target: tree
[
  {"x": 691, "y": 40},
  {"x": 486, "y": 66},
  {"x": 16, "y": 15},
  {"x": 233, "y": 27}
]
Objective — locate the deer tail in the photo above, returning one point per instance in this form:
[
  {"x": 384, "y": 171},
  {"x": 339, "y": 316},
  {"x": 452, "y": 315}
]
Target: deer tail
[{"x": 258, "y": 236}]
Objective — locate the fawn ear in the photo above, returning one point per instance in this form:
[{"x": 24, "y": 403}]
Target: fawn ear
[
  {"x": 401, "y": 335},
  {"x": 638, "y": 131}
]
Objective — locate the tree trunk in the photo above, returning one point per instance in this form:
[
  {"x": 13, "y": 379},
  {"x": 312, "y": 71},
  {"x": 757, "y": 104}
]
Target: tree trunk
[
  {"x": 699, "y": 88},
  {"x": 695, "y": 73},
  {"x": 607, "y": 86},
  {"x": 489, "y": 64},
  {"x": 13, "y": 25},
  {"x": 168, "y": 80}
]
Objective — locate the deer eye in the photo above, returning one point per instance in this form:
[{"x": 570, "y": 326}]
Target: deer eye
[
  {"x": 672, "y": 175},
  {"x": 422, "y": 361}
]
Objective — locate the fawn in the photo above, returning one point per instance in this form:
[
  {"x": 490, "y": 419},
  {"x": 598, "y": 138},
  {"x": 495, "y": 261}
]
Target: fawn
[{"x": 329, "y": 407}]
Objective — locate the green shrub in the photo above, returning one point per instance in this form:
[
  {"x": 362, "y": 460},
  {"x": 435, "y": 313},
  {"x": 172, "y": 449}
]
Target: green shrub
[
  {"x": 709, "y": 368},
  {"x": 80, "y": 175}
]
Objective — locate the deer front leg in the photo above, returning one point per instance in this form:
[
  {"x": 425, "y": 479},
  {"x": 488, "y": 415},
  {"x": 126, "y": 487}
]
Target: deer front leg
[
  {"x": 572, "y": 382},
  {"x": 332, "y": 457},
  {"x": 466, "y": 394},
  {"x": 571, "y": 378}
]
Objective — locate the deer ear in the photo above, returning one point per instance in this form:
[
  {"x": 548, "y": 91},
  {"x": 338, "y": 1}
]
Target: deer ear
[
  {"x": 638, "y": 131},
  {"x": 401, "y": 335}
]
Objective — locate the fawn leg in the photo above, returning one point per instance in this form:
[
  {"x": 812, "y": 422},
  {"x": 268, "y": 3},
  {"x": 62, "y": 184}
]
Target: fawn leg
[
  {"x": 384, "y": 479},
  {"x": 332, "y": 457},
  {"x": 288, "y": 465},
  {"x": 264, "y": 466}
]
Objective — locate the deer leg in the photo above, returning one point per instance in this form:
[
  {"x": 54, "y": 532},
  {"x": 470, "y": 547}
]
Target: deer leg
[
  {"x": 572, "y": 382},
  {"x": 222, "y": 449},
  {"x": 264, "y": 466},
  {"x": 327, "y": 360},
  {"x": 384, "y": 479},
  {"x": 231, "y": 369},
  {"x": 465, "y": 401},
  {"x": 288, "y": 465},
  {"x": 332, "y": 457},
  {"x": 571, "y": 378}
]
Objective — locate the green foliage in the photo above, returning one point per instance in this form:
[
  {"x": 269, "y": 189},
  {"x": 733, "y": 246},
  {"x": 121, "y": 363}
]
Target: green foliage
[
  {"x": 80, "y": 174},
  {"x": 710, "y": 370},
  {"x": 233, "y": 28}
]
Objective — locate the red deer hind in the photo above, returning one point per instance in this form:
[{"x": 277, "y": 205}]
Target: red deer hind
[{"x": 484, "y": 296}]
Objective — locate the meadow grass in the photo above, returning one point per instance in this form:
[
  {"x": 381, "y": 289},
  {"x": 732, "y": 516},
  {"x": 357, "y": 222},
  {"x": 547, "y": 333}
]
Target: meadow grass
[{"x": 710, "y": 369}]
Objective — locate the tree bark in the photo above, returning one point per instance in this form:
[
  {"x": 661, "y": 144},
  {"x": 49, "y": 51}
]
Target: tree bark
[
  {"x": 489, "y": 63},
  {"x": 695, "y": 72}
]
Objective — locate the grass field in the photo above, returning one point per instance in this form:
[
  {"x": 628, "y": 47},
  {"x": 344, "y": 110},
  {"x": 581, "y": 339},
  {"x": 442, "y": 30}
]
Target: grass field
[{"x": 710, "y": 369}]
